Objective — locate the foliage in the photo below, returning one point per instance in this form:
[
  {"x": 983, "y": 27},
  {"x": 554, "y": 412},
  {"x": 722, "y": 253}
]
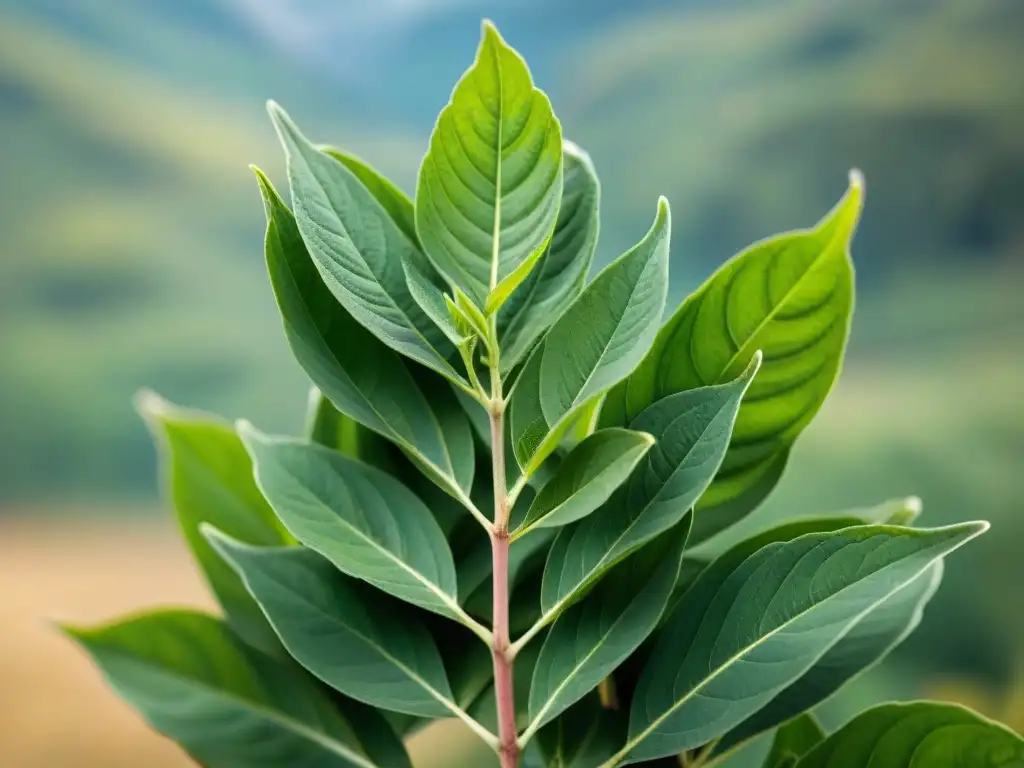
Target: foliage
[{"x": 361, "y": 597}]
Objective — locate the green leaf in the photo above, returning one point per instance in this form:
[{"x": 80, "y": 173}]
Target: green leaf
[
  {"x": 747, "y": 630},
  {"x": 361, "y": 519},
  {"x": 229, "y": 706},
  {"x": 790, "y": 296},
  {"x": 586, "y": 478},
  {"x": 491, "y": 181},
  {"x": 902, "y": 511},
  {"x": 208, "y": 477},
  {"x": 329, "y": 427},
  {"x": 362, "y": 377},
  {"x": 921, "y": 734},
  {"x": 596, "y": 343},
  {"x": 792, "y": 740},
  {"x": 692, "y": 432},
  {"x": 561, "y": 273},
  {"x": 868, "y": 642},
  {"x": 434, "y": 302},
  {"x": 584, "y": 736},
  {"x": 364, "y": 644},
  {"x": 392, "y": 199},
  {"x": 595, "y": 636},
  {"x": 358, "y": 249}
]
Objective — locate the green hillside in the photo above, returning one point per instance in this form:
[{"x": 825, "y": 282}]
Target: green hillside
[
  {"x": 132, "y": 230},
  {"x": 748, "y": 115}
]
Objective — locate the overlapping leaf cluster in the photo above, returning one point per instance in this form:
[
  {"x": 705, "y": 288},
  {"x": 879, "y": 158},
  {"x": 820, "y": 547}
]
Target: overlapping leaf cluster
[{"x": 350, "y": 564}]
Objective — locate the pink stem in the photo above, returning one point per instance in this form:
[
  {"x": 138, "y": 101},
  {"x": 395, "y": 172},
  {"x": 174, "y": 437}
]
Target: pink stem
[
  {"x": 509, "y": 752},
  {"x": 504, "y": 693}
]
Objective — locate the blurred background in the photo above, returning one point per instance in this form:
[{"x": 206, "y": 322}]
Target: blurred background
[{"x": 131, "y": 255}]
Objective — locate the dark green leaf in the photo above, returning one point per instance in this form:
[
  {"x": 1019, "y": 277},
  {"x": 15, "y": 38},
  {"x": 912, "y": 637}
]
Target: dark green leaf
[
  {"x": 208, "y": 478},
  {"x": 329, "y": 427},
  {"x": 586, "y": 478},
  {"x": 392, "y": 199},
  {"x": 584, "y": 736},
  {"x": 746, "y": 631},
  {"x": 867, "y": 643},
  {"x": 358, "y": 249},
  {"x": 593, "y": 637},
  {"x": 596, "y": 343},
  {"x": 228, "y": 706},
  {"x": 491, "y": 181},
  {"x": 561, "y": 272},
  {"x": 361, "y": 519},
  {"x": 363, "y": 378},
  {"x": 792, "y": 740},
  {"x": 921, "y": 734},
  {"x": 364, "y": 644},
  {"x": 790, "y": 296},
  {"x": 692, "y": 431}
]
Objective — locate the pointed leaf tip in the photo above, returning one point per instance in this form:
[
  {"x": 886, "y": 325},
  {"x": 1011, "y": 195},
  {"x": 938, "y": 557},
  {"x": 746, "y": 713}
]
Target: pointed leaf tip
[
  {"x": 856, "y": 179},
  {"x": 664, "y": 216},
  {"x": 248, "y": 433},
  {"x": 489, "y": 29},
  {"x": 149, "y": 405}
]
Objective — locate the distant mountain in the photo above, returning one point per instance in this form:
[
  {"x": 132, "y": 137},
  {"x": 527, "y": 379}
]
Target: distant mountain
[{"x": 131, "y": 249}]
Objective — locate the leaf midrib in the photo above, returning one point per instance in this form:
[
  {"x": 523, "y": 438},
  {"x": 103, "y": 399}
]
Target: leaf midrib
[
  {"x": 394, "y": 435},
  {"x": 611, "y": 336},
  {"x": 434, "y": 589},
  {"x": 538, "y": 522},
  {"x": 374, "y": 643},
  {"x": 496, "y": 235},
  {"x": 358, "y": 251},
  {"x": 746, "y": 650},
  {"x": 826, "y": 252},
  {"x": 642, "y": 512},
  {"x": 285, "y": 721}
]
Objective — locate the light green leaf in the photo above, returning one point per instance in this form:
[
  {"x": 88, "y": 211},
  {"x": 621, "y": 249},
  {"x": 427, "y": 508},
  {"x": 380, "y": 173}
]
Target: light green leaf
[
  {"x": 229, "y": 706},
  {"x": 792, "y": 740},
  {"x": 596, "y": 343},
  {"x": 433, "y": 301},
  {"x": 902, "y": 511},
  {"x": 491, "y": 181},
  {"x": 868, "y": 642},
  {"x": 586, "y": 478},
  {"x": 366, "y": 645},
  {"x": 746, "y": 631},
  {"x": 358, "y": 249},
  {"x": 207, "y": 477},
  {"x": 921, "y": 734},
  {"x": 790, "y": 296},
  {"x": 392, "y": 199},
  {"x": 595, "y": 636},
  {"x": 692, "y": 432},
  {"x": 561, "y": 272},
  {"x": 363, "y": 378},
  {"x": 361, "y": 519}
]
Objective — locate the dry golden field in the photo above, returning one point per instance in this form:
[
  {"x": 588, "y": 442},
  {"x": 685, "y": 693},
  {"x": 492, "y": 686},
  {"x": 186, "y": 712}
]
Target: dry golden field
[{"x": 56, "y": 711}]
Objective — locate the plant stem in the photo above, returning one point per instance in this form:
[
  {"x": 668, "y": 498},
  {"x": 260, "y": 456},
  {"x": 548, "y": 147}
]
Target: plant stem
[{"x": 508, "y": 749}]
